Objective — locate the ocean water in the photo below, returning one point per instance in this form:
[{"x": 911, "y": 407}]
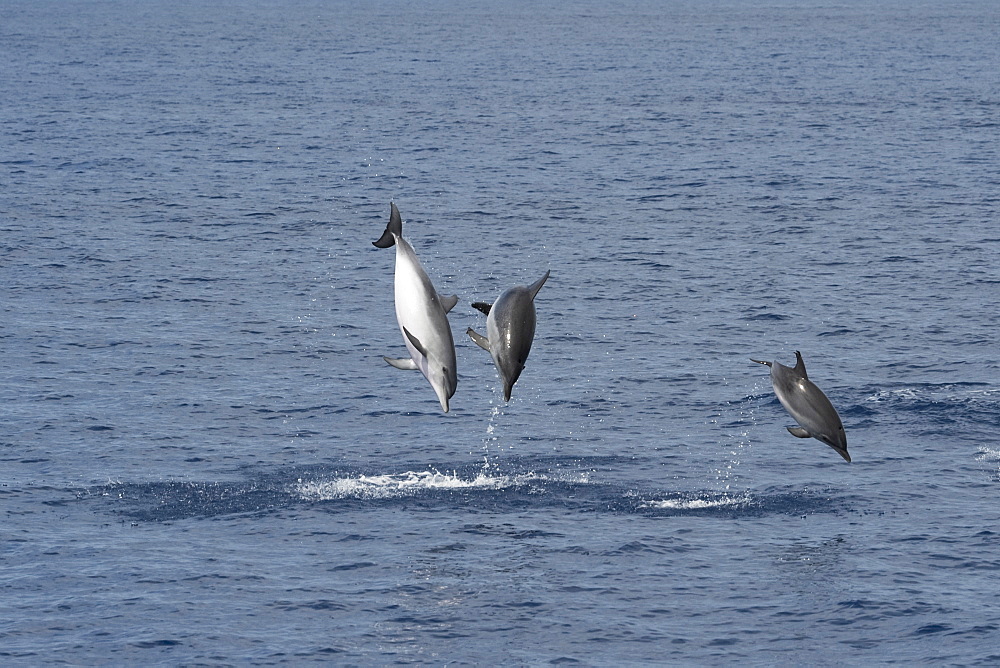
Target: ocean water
[{"x": 204, "y": 459}]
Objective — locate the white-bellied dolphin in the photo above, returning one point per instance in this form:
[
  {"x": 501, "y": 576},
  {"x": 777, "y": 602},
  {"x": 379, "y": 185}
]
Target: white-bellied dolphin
[
  {"x": 422, "y": 316},
  {"x": 806, "y": 403},
  {"x": 510, "y": 329}
]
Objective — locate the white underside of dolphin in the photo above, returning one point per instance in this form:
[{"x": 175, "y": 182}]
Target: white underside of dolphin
[
  {"x": 510, "y": 330},
  {"x": 806, "y": 403},
  {"x": 422, "y": 316}
]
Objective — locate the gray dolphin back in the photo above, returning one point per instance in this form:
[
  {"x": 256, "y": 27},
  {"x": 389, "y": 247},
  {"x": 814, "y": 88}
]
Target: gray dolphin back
[
  {"x": 810, "y": 407},
  {"x": 510, "y": 328}
]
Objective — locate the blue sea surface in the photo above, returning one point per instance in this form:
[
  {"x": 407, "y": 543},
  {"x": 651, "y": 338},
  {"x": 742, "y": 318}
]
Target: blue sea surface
[{"x": 205, "y": 460}]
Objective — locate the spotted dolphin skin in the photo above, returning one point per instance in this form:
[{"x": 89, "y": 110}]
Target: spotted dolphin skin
[
  {"x": 510, "y": 329},
  {"x": 806, "y": 403},
  {"x": 422, "y": 316}
]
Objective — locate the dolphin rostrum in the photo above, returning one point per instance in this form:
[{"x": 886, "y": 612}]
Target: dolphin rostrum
[
  {"x": 806, "y": 403},
  {"x": 510, "y": 329},
  {"x": 422, "y": 316}
]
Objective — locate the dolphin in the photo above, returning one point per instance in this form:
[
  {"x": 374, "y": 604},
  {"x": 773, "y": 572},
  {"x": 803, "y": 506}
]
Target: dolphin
[
  {"x": 422, "y": 316},
  {"x": 806, "y": 403},
  {"x": 510, "y": 329}
]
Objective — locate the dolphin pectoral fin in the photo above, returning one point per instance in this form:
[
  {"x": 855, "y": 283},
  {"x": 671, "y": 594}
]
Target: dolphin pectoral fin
[
  {"x": 798, "y": 432},
  {"x": 759, "y": 362},
  {"x": 448, "y": 303},
  {"x": 800, "y": 366},
  {"x": 537, "y": 285},
  {"x": 416, "y": 342},
  {"x": 395, "y": 227},
  {"x": 482, "y": 307},
  {"x": 480, "y": 340},
  {"x": 406, "y": 364}
]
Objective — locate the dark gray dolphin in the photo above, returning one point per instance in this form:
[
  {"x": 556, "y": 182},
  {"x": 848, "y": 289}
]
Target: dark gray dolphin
[
  {"x": 808, "y": 405},
  {"x": 422, "y": 315},
  {"x": 510, "y": 329}
]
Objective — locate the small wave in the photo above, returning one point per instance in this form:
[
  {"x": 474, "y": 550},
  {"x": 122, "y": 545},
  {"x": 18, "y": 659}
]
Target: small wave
[
  {"x": 404, "y": 484},
  {"x": 886, "y": 395},
  {"x": 947, "y": 392}
]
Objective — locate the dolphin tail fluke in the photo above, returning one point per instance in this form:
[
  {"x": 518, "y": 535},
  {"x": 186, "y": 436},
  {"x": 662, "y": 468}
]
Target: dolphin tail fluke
[
  {"x": 798, "y": 432},
  {"x": 760, "y": 362},
  {"x": 395, "y": 227},
  {"x": 480, "y": 340},
  {"x": 482, "y": 307},
  {"x": 537, "y": 285}
]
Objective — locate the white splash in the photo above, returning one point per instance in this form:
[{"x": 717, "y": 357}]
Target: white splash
[
  {"x": 698, "y": 504},
  {"x": 402, "y": 484},
  {"x": 988, "y": 455},
  {"x": 991, "y": 457}
]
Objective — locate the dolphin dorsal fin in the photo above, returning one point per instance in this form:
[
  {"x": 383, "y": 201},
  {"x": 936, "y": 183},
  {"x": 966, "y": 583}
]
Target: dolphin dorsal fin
[
  {"x": 800, "y": 366},
  {"x": 395, "y": 227},
  {"x": 482, "y": 307},
  {"x": 448, "y": 303},
  {"x": 537, "y": 285},
  {"x": 416, "y": 342}
]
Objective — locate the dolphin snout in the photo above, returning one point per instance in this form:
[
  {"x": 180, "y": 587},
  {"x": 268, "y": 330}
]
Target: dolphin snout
[{"x": 445, "y": 390}]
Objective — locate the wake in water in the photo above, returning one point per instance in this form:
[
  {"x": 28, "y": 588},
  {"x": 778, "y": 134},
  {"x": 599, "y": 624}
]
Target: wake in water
[
  {"x": 499, "y": 482},
  {"x": 947, "y": 392},
  {"x": 941, "y": 410},
  {"x": 551, "y": 485}
]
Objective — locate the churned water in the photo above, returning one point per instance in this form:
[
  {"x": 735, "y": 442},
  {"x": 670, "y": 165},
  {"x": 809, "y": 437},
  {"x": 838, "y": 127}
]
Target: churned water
[{"x": 206, "y": 461}]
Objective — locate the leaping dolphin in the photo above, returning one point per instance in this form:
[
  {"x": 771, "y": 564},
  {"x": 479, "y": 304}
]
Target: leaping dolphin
[
  {"x": 808, "y": 405},
  {"x": 510, "y": 329},
  {"x": 422, "y": 316}
]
